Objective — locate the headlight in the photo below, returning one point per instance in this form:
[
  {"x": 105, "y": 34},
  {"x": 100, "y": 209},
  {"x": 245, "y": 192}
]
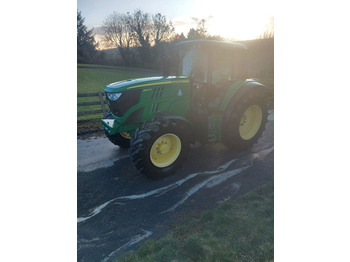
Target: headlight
[{"x": 113, "y": 96}]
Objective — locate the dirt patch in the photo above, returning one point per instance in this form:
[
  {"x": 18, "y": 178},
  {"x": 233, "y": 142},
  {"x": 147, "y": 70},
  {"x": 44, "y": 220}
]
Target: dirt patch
[{"x": 89, "y": 129}]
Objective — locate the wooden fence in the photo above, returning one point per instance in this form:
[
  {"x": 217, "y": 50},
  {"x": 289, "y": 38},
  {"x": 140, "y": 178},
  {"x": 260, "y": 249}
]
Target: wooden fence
[{"x": 89, "y": 120}]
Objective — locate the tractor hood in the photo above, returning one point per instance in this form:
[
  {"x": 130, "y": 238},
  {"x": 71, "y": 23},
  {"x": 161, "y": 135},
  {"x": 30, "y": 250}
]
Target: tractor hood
[{"x": 141, "y": 83}]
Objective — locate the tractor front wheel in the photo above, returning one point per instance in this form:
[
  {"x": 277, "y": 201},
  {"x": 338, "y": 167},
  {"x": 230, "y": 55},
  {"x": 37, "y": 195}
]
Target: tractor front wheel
[
  {"x": 160, "y": 147},
  {"x": 122, "y": 139}
]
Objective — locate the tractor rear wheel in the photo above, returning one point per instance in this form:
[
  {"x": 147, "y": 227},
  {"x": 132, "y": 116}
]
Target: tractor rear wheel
[
  {"x": 160, "y": 147},
  {"x": 122, "y": 139},
  {"x": 246, "y": 121}
]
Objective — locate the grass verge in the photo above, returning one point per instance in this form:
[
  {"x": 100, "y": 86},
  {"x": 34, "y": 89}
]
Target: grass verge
[
  {"x": 116, "y": 67},
  {"x": 94, "y": 80},
  {"x": 238, "y": 230}
]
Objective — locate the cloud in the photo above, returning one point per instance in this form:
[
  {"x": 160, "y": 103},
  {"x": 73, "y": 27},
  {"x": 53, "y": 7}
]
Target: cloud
[{"x": 195, "y": 19}]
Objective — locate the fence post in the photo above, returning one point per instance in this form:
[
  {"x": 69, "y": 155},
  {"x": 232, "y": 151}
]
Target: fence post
[{"x": 102, "y": 103}]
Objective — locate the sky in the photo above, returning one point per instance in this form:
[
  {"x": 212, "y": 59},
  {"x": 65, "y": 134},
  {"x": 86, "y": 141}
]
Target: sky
[{"x": 239, "y": 20}]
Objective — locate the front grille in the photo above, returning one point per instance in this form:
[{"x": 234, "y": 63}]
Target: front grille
[{"x": 124, "y": 103}]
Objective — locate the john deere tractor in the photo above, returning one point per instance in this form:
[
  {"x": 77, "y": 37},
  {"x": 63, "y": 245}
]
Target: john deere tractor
[{"x": 211, "y": 100}]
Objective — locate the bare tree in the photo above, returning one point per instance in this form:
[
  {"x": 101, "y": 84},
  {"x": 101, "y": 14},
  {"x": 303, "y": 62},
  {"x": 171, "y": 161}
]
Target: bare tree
[
  {"x": 118, "y": 34},
  {"x": 140, "y": 25},
  {"x": 201, "y": 31},
  {"x": 161, "y": 30},
  {"x": 201, "y": 28},
  {"x": 137, "y": 31},
  {"x": 269, "y": 31}
]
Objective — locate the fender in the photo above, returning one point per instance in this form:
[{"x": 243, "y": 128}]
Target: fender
[
  {"x": 238, "y": 95},
  {"x": 166, "y": 116}
]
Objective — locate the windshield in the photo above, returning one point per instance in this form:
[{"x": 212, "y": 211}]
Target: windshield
[{"x": 195, "y": 65}]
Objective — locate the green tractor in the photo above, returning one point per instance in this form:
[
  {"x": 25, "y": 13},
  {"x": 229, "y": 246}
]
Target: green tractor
[{"x": 158, "y": 118}]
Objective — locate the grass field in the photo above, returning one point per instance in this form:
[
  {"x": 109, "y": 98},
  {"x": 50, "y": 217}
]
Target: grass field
[
  {"x": 112, "y": 67},
  {"x": 94, "y": 80},
  {"x": 238, "y": 230}
]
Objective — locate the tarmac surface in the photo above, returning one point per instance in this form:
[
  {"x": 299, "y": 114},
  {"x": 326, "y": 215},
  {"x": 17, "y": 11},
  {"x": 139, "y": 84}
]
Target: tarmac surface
[{"x": 118, "y": 208}]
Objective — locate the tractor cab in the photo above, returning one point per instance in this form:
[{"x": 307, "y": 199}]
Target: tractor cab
[{"x": 212, "y": 67}]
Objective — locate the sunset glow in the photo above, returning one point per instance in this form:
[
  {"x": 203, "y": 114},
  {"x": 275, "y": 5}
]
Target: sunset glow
[
  {"x": 240, "y": 20},
  {"x": 230, "y": 19}
]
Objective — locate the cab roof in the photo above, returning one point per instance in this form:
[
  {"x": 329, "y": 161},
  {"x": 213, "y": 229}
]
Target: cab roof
[{"x": 211, "y": 44}]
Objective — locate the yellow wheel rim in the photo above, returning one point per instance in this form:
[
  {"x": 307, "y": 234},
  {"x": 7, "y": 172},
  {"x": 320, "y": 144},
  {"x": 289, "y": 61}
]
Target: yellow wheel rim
[
  {"x": 125, "y": 135},
  {"x": 165, "y": 150},
  {"x": 250, "y": 122}
]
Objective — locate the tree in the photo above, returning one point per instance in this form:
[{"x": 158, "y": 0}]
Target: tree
[
  {"x": 117, "y": 33},
  {"x": 162, "y": 34},
  {"x": 269, "y": 31},
  {"x": 140, "y": 25},
  {"x": 199, "y": 33},
  {"x": 86, "y": 46},
  {"x": 161, "y": 30},
  {"x": 180, "y": 37},
  {"x": 201, "y": 29},
  {"x": 149, "y": 29},
  {"x": 193, "y": 34},
  {"x": 138, "y": 31}
]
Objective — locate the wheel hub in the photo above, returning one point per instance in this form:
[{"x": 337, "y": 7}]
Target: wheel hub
[
  {"x": 165, "y": 150},
  {"x": 250, "y": 122}
]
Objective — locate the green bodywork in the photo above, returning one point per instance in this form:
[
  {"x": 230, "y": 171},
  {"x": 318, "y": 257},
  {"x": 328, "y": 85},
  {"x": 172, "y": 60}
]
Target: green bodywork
[
  {"x": 166, "y": 95},
  {"x": 176, "y": 96},
  {"x": 158, "y": 94}
]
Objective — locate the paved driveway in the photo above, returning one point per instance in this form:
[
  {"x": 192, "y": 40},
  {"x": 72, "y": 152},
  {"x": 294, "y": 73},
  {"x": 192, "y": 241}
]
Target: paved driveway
[{"x": 118, "y": 208}]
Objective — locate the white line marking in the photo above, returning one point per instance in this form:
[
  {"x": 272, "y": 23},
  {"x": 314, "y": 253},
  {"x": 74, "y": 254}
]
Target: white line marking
[
  {"x": 210, "y": 182},
  {"x": 159, "y": 191},
  {"x": 100, "y": 164},
  {"x": 133, "y": 241},
  {"x": 261, "y": 154},
  {"x": 88, "y": 241},
  {"x": 95, "y": 211}
]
